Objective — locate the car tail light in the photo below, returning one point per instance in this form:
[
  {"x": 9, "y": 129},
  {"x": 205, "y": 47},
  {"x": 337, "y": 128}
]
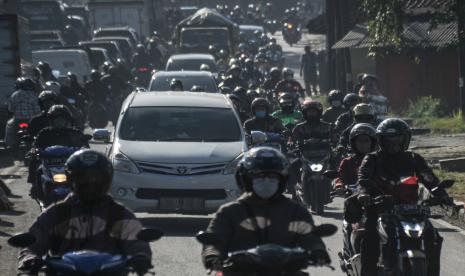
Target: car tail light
[{"x": 23, "y": 125}]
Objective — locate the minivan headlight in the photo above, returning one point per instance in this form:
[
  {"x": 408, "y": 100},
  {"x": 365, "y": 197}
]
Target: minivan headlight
[
  {"x": 123, "y": 164},
  {"x": 231, "y": 167}
]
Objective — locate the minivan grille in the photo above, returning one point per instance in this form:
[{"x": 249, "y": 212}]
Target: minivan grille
[{"x": 180, "y": 170}]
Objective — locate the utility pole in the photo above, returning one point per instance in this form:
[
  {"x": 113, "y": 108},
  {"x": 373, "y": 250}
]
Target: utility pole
[
  {"x": 461, "y": 38},
  {"x": 330, "y": 40}
]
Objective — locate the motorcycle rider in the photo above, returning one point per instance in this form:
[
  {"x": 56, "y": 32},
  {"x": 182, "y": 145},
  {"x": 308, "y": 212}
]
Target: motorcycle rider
[
  {"x": 234, "y": 78},
  {"x": 114, "y": 83},
  {"x": 289, "y": 84},
  {"x": 308, "y": 69},
  {"x": 46, "y": 100},
  {"x": 176, "y": 85},
  {"x": 88, "y": 219},
  {"x": 262, "y": 120},
  {"x": 275, "y": 77},
  {"x": 95, "y": 88},
  {"x": 22, "y": 105},
  {"x": 45, "y": 71},
  {"x": 288, "y": 113},
  {"x": 236, "y": 101},
  {"x": 378, "y": 175},
  {"x": 36, "y": 79},
  {"x": 363, "y": 113},
  {"x": 313, "y": 127},
  {"x": 250, "y": 73},
  {"x": 335, "y": 99},
  {"x": 274, "y": 46},
  {"x": 347, "y": 118},
  {"x": 262, "y": 215},
  {"x": 140, "y": 58}
]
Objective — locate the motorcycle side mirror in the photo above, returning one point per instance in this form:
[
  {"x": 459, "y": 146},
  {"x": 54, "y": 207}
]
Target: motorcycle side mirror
[
  {"x": 258, "y": 137},
  {"x": 207, "y": 238},
  {"x": 331, "y": 174},
  {"x": 22, "y": 240},
  {"x": 325, "y": 230},
  {"x": 149, "y": 235},
  {"x": 102, "y": 135}
]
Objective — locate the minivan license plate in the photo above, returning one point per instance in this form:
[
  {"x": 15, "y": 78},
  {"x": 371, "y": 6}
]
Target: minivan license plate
[{"x": 185, "y": 204}]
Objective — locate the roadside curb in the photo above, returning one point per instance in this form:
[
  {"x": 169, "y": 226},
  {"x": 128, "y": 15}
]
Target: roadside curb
[{"x": 453, "y": 215}]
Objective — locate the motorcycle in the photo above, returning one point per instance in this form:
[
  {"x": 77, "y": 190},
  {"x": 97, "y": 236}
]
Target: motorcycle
[
  {"x": 52, "y": 184},
  {"x": 275, "y": 58},
  {"x": 24, "y": 141},
  {"x": 291, "y": 33},
  {"x": 266, "y": 139},
  {"x": 267, "y": 259},
  {"x": 271, "y": 25},
  {"x": 87, "y": 263},
  {"x": 142, "y": 75},
  {"x": 313, "y": 189},
  {"x": 410, "y": 221}
]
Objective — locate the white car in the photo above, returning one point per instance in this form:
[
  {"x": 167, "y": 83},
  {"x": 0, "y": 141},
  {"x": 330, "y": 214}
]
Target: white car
[{"x": 176, "y": 152}]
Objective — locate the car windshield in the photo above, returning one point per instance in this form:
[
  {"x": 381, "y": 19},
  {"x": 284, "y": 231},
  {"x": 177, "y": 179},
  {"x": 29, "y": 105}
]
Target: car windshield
[
  {"x": 190, "y": 65},
  {"x": 191, "y": 124},
  {"x": 248, "y": 34},
  {"x": 162, "y": 83},
  {"x": 204, "y": 38},
  {"x": 112, "y": 33}
]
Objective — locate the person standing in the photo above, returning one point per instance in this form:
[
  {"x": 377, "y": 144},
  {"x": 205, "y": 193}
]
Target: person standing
[{"x": 308, "y": 71}]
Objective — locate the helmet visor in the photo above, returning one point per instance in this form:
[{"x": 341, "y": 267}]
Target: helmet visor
[{"x": 392, "y": 144}]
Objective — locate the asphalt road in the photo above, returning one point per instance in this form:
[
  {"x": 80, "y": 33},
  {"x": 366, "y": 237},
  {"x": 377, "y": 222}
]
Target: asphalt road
[{"x": 178, "y": 253}]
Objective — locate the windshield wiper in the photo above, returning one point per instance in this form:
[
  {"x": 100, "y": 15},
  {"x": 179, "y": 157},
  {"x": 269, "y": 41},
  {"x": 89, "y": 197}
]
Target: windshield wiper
[{"x": 179, "y": 139}]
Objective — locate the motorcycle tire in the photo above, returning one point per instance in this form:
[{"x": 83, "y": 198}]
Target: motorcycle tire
[
  {"x": 417, "y": 267},
  {"x": 98, "y": 116},
  {"x": 312, "y": 195}
]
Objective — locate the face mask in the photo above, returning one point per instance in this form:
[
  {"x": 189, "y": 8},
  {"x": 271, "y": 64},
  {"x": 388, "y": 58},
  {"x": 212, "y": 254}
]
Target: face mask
[
  {"x": 336, "y": 103},
  {"x": 260, "y": 114},
  {"x": 265, "y": 188}
]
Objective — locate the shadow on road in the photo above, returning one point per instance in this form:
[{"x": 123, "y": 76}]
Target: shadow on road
[
  {"x": 177, "y": 226},
  {"x": 333, "y": 215},
  {"x": 447, "y": 230},
  {"x": 12, "y": 213}
]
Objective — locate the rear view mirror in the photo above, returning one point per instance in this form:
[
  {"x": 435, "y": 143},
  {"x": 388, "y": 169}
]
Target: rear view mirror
[
  {"x": 331, "y": 174},
  {"x": 208, "y": 238},
  {"x": 325, "y": 230},
  {"x": 258, "y": 137},
  {"x": 22, "y": 240},
  {"x": 149, "y": 234},
  {"x": 102, "y": 135}
]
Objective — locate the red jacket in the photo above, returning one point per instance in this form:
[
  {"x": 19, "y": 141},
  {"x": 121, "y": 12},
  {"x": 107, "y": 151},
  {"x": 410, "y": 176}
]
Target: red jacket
[{"x": 348, "y": 171}]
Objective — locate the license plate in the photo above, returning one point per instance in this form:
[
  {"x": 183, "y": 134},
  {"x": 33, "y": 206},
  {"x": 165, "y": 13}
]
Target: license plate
[{"x": 184, "y": 204}]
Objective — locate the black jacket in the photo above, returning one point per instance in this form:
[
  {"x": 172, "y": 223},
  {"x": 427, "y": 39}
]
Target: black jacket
[
  {"x": 71, "y": 137},
  {"x": 38, "y": 123},
  {"x": 305, "y": 131},
  {"x": 281, "y": 222},
  {"x": 267, "y": 124}
]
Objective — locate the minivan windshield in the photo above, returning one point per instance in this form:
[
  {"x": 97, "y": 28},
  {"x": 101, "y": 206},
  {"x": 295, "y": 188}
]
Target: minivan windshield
[
  {"x": 189, "y": 124},
  {"x": 205, "y": 37}
]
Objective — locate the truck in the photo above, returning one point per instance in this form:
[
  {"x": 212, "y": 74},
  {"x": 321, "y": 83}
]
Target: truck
[
  {"x": 206, "y": 27},
  {"x": 15, "y": 57},
  {"x": 137, "y": 14}
]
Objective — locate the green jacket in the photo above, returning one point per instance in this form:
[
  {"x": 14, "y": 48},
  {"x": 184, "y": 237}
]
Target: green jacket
[{"x": 293, "y": 118}]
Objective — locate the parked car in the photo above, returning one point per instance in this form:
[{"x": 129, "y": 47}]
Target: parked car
[
  {"x": 161, "y": 80},
  {"x": 191, "y": 62},
  {"x": 176, "y": 152},
  {"x": 66, "y": 60},
  {"x": 112, "y": 47},
  {"x": 124, "y": 44}
]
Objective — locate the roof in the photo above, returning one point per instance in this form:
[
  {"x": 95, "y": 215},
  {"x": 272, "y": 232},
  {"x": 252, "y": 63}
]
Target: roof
[
  {"x": 251, "y": 27},
  {"x": 415, "y": 34},
  {"x": 191, "y": 56},
  {"x": 67, "y": 51},
  {"x": 187, "y": 99},
  {"x": 182, "y": 73},
  {"x": 422, "y": 6},
  {"x": 207, "y": 17}
]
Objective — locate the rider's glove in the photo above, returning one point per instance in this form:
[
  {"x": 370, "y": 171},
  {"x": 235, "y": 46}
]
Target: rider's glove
[
  {"x": 320, "y": 257},
  {"x": 213, "y": 262}
]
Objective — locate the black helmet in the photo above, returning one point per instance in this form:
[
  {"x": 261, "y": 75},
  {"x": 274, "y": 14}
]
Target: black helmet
[
  {"x": 176, "y": 85},
  {"x": 239, "y": 90},
  {"x": 364, "y": 113},
  {"x": 252, "y": 94},
  {"x": 262, "y": 162},
  {"x": 288, "y": 72},
  {"x": 369, "y": 77},
  {"x": 72, "y": 77},
  {"x": 197, "y": 88},
  {"x": 25, "y": 84},
  {"x": 59, "y": 110},
  {"x": 95, "y": 75},
  {"x": 47, "y": 96},
  {"x": 225, "y": 89},
  {"x": 335, "y": 95},
  {"x": 260, "y": 102},
  {"x": 44, "y": 67},
  {"x": 275, "y": 73},
  {"x": 90, "y": 174},
  {"x": 393, "y": 135},
  {"x": 312, "y": 104},
  {"x": 287, "y": 102},
  {"x": 351, "y": 100},
  {"x": 362, "y": 129}
]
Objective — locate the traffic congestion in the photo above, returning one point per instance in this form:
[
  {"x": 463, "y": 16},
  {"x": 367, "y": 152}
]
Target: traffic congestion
[{"x": 201, "y": 139}]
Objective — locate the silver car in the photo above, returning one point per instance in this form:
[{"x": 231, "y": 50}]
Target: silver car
[{"x": 176, "y": 152}]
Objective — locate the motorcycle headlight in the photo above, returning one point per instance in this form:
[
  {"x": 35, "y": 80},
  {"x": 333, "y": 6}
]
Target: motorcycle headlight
[
  {"x": 59, "y": 178},
  {"x": 316, "y": 167},
  {"x": 413, "y": 229},
  {"x": 231, "y": 167},
  {"x": 289, "y": 26},
  {"x": 123, "y": 164}
]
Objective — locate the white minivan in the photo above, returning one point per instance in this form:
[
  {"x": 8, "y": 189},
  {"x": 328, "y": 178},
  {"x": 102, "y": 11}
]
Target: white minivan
[
  {"x": 65, "y": 60},
  {"x": 176, "y": 152}
]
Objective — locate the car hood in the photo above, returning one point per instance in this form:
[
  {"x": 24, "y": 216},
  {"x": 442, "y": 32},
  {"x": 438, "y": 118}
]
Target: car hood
[{"x": 180, "y": 152}]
